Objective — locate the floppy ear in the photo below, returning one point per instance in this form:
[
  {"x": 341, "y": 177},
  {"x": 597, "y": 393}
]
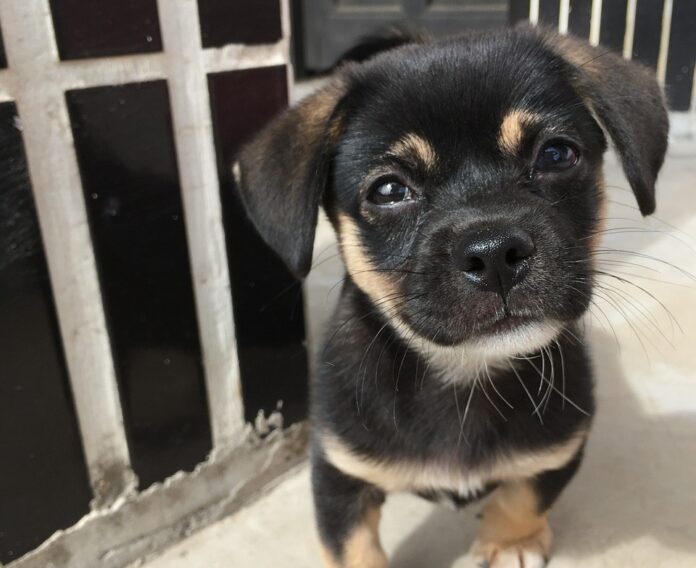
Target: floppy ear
[
  {"x": 282, "y": 173},
  {"x": 629, "y": 104}
]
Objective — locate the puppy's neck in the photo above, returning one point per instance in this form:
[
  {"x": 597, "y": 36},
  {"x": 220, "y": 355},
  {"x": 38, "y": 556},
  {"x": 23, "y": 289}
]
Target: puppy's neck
[
  {"x": 467, "y": 362},
  {"x": 454, "y": 364}
]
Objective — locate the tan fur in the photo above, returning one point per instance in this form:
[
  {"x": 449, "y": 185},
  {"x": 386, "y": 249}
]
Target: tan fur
[
  {"x": 423, "y": 476},
  {"x": 416, "y": 149},
  {"x": 318, "y": 108},
  {"x": 512, "y": 526},
  {"x": 579, "y": 53},
  {"x": 512, "y": 130},
  {"x": 314, "y": 114},
  {"x": 365, "y": 274},
  {"x": 362, "y": 549},
  {"x": 237, "y": 172}
]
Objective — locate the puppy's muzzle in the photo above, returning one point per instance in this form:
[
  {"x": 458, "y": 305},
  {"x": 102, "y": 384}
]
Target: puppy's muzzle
[{"x": 495, "y": 259}]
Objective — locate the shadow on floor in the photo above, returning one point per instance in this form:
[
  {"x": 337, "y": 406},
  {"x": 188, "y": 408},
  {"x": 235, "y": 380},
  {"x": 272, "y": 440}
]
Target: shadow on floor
[{"x": 637, "y": 480}]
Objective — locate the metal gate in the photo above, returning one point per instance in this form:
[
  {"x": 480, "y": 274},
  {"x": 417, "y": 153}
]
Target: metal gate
[
  {"x": 143, "y": 323},
  {"x": 659, "y": 33},
  {"x": 125, "y": 263}
]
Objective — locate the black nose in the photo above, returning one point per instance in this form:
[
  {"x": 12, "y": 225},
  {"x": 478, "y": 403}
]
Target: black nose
[{"x": 495, "y": 259}]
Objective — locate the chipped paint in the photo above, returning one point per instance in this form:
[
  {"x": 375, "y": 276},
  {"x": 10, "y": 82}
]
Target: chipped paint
[{"x": 139, "y": 525}]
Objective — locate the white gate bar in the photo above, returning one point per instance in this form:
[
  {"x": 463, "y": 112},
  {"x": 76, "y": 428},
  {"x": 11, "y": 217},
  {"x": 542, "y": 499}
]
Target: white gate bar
[
  {"x": 563, "y": 17},
  {"x": 191, "y": 116},
  {"x": 630, "y": 29},
  {"x": 595, "y": 22},
  {"x": 4, "y": 91},
  {"x": 55, "y": 179},
  {"x": 107, "y": 71},
  {"x": 534, "y": 12},
  {"x": 666, "y": 31},
  {"x": 239, "y": 56},
  {"x": 136, "y": 68}
]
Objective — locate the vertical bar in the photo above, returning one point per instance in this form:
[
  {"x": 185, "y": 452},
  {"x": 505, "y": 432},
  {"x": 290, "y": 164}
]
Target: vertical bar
[
  {"x": 630, "y": 29},
  {"x": 124, "y": 140},
  {"x": 188, "y": 90},
  {"x": 563, "y": 16},
  {"x": 664, "y": 42},
  {"x": 268, "y": 307},
  {"x": 534, "y": 12},
  {"x": 595, "y": 22},
  {"x": 55, "y": 178},
  {"x": 679, "y": 76},
  {"x": 43, "y": 478}
]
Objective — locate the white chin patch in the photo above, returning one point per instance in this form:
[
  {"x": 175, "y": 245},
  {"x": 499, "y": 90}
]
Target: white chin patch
[{"x": 471, "y": 359}]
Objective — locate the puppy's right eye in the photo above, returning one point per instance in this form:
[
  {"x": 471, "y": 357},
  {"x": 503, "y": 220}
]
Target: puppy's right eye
[{"x": 390, "y": 193}]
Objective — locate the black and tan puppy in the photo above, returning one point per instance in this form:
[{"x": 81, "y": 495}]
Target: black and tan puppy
[{"x": 464, "y": 180}]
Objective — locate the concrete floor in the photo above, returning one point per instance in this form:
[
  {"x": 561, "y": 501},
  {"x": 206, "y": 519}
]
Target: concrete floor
[{"x": 634, "y": 501}]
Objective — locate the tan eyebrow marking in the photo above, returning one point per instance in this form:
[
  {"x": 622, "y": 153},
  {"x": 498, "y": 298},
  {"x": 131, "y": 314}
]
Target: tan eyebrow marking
[
  {"x": 414, "y": 148},
  {"x": 512, "y": 130}
]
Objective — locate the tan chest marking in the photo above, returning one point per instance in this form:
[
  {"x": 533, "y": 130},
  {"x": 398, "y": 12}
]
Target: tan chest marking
[{"x": 417, "y": 476}]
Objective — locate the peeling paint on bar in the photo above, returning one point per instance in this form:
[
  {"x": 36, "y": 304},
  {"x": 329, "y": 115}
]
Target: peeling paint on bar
[
  {"x": 140, "y": 525},
  {"x": 233, "y": 57},
  {"x": 188, "y": 92},
  {"x": 56, "y": 183}
]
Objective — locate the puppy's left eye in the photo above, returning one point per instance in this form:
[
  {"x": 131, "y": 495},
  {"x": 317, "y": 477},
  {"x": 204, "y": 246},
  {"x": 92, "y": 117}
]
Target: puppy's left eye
[
  {"x": 556, "y": 156},
  {"x": 390, "y": 193}
]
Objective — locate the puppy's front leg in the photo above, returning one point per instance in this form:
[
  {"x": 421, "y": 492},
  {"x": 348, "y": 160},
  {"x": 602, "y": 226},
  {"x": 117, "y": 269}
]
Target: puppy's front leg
[
  {"x": 514, "y": 530},
  {"x": 347, "y": 512}
]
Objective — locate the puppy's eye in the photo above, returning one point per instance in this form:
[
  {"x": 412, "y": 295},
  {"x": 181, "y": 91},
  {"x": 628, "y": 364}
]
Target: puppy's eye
[
  {"x": 556, "y": 156},
  {"x": 390, "y": 193}
]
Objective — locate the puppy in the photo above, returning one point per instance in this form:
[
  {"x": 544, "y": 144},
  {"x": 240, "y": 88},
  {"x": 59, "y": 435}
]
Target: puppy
[{"x": 463, "y": 178}]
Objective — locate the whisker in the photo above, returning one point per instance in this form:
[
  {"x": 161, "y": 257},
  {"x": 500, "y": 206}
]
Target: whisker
[
  {"x": 500, "y": 396},
  {"x": 485, "y": 392},
  {"x": 466, "y": 411},
  {"x": 563, "y": 377},
  {"x": 529, "y": 395}
]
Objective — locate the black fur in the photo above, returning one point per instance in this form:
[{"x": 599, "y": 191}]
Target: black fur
[{"x": 375, "y": 391}]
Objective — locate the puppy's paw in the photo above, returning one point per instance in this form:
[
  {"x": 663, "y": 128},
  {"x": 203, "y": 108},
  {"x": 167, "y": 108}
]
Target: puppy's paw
[
  {"x": 369, "y": 557},
  {"x": 529, "y": 552}
]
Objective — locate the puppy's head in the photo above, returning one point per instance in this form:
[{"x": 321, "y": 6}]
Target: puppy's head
[{"x": 464, "y": 180}]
